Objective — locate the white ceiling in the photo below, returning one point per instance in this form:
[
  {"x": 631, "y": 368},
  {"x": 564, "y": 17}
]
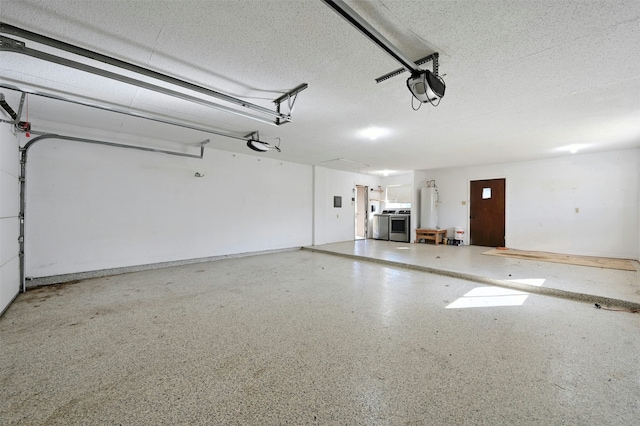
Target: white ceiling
[{"x": 525, "y": 79}]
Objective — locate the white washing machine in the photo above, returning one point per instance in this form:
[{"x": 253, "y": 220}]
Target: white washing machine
[{"x": 381, "y": 225}]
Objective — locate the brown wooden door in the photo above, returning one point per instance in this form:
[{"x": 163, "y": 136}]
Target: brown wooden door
[{"x": 487, "y": 213}]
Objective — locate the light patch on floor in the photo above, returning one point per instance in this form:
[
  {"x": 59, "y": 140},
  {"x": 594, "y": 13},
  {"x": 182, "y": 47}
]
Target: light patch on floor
[{"x": 484, "y": 297}]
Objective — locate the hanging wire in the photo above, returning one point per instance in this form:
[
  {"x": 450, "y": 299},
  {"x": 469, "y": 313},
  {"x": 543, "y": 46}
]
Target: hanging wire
[
  {"x": 413, "y": 103},
  {"x": 439, "y": 99}
]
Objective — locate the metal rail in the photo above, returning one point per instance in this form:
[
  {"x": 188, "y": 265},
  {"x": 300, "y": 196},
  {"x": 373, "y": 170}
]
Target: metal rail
[
  {"x": 341, "y": 8},
  {"x": 48, "y": 41},
  {"x": 23, "y": 179},
  {"x": 117, "y": 145},
  {"x": 15, "y": 46},
  {"x": 114, "y": 109}
]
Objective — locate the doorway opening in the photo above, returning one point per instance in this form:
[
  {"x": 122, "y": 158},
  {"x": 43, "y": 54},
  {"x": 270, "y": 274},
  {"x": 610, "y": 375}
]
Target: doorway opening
[
  {"x": 487, "y": 213},
  {"x": 361, "y": 212}
]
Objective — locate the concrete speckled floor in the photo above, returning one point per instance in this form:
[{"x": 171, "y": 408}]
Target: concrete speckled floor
[
  {"x": 308, "y": 338},
  {"x": 599, "y": 282}
]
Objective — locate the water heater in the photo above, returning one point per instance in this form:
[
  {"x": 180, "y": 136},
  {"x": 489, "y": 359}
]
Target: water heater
[{"x": 429, "y": 206}]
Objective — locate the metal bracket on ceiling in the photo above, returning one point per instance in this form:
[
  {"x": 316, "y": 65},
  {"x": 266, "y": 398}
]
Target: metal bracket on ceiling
[
  {"x": 290, "y": 97},
  {"x": 433, "y": 57},
  {"x": 22, "y": 126},
  {"x": 253, "y": 135},
  {"x": 8, "y": 44},
  {"x": 14, "y": 115},
  {"x": 202, "y": 144}
]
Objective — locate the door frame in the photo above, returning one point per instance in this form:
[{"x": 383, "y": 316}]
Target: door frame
[
  {"x": 467, "y": 238},
  {"x": 365, "y": 209}
]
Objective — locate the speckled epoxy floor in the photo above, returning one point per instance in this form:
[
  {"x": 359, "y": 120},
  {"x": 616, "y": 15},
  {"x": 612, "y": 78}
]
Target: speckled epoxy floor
[
  {"x": 600, "y": 282},
  {"x": 308, "y": 338}
]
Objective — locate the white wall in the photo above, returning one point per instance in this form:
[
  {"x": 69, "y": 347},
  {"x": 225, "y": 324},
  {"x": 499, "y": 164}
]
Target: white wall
[
  {"x": 9, "y": 210},
  {"x": 541, "y": 198},
  {"x": 337, "y": 224},
  {"x": 92, "y": 207}
]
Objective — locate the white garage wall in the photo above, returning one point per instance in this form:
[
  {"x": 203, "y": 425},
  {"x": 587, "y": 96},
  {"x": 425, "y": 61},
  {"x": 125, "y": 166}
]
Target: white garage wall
[
  {"x": 92, "y": 207},
  {"x": 9, "y": 210},
  {"x": 333, "y": 224},
  {"x": 542, "y": 197}
]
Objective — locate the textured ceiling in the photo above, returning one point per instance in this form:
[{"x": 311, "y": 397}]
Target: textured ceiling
[{"x": 525, "y": 79}]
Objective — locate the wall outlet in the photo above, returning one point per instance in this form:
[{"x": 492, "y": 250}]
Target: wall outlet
[{"x": 577, "y": 210}]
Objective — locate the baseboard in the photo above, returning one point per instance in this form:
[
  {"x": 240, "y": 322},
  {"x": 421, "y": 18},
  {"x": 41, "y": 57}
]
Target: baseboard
[{"x": 64, "y": 278}]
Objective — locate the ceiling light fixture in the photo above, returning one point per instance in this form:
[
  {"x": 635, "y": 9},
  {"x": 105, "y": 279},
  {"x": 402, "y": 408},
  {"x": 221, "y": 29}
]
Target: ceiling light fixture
[
  {"x": 374, "y": 133},
  {"x": 256, "y": 144},
  {"x": 426, "y": 86},
  {"x": 573, "y": 148}
]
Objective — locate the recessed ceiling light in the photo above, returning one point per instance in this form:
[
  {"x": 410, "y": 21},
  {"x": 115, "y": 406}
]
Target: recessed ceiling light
[
  {"x": 573, "y": 148},
  {"x": 388, "y": 172},
  {"x": 374, "y": 133}
]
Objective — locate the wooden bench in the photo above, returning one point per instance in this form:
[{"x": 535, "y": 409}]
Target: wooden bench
[{"x": 436, "y": 235}]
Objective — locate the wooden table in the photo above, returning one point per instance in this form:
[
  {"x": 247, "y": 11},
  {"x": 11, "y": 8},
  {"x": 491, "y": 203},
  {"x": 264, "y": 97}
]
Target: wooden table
[{"x": 436, "y": 235}]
